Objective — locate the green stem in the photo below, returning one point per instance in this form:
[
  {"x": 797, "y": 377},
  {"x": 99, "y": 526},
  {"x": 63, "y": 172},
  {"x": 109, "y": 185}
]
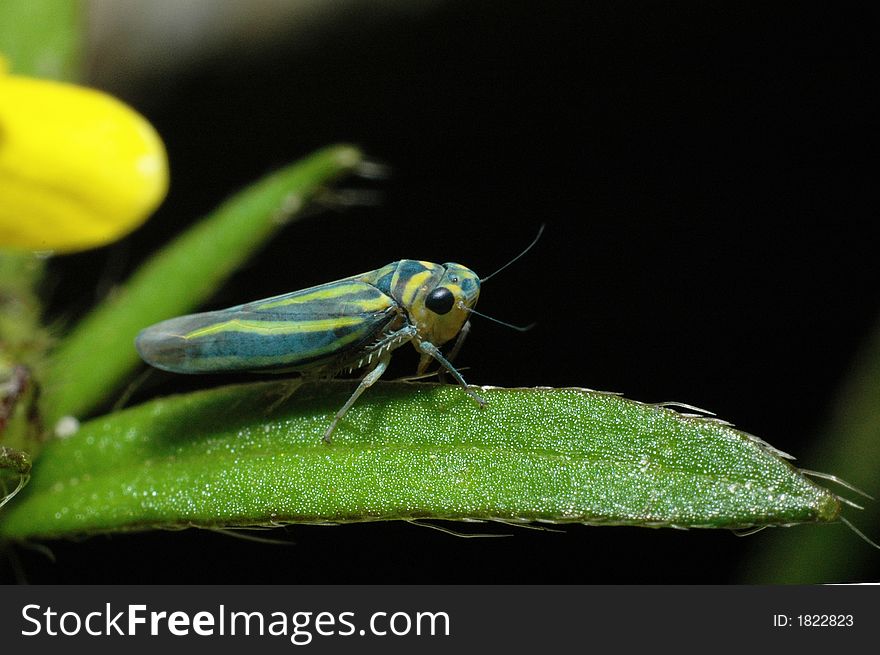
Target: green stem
[{"x": 98, "y": 355}]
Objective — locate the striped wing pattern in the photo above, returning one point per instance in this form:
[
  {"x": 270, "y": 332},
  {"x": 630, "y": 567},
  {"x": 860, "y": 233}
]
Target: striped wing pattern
[{"x": 324, "y": 326}]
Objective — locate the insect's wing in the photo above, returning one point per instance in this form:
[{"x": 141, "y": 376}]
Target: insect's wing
[{"x": 320, "y": 326}]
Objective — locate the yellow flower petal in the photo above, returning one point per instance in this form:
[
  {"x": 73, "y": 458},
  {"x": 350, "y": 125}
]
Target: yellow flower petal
[{"x": 78, "y": 168}]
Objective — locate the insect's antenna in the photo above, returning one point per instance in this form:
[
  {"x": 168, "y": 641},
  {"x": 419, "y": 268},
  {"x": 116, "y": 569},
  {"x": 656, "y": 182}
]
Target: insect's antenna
[
  {"x": 518, "y": 328},
  {"x": 529, "y": 247}
]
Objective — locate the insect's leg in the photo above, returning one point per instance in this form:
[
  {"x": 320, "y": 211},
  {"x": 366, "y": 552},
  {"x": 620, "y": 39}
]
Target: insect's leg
[
  {"x": 462, "y": 334},
  {"x": 429, "y": 348},
  {"x": 368, "y": 380},
  {"x": 394, "y": 339},
  {"x": 426, "y": 359},
  {"x": 288, "y": 388}
]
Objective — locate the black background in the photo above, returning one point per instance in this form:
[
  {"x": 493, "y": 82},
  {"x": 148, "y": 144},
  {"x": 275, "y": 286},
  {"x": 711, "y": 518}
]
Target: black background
[{"x": 702, "y": 174}]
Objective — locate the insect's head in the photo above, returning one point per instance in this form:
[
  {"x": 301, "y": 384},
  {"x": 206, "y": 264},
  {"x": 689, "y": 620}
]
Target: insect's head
[
  {"x": 443, "y": 309},
  {"x": 447, "y": 304},
  {"x": 463, "y": 286}
]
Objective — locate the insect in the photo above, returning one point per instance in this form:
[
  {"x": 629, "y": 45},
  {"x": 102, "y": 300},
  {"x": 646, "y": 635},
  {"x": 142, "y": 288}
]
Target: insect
[{"x": 349, "y": 324}]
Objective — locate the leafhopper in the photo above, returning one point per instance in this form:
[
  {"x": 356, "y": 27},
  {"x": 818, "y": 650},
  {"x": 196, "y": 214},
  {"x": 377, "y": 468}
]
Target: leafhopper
[{"x": 349, "y": 324}]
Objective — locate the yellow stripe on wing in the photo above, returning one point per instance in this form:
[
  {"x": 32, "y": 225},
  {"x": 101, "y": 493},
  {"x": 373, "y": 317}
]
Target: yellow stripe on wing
[
  {"x": 269, "y": 328},
  {"x": 334, "y": 291}
]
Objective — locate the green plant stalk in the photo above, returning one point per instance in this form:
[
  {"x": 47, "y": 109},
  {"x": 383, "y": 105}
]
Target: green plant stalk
[
  {"x": 849, "y": 447},
  {"x": 23, "y": 340},
  {"x": 42, "y": 38},
  {"x": 224, "y": 457},
  {"x": 99, "y": 354}
]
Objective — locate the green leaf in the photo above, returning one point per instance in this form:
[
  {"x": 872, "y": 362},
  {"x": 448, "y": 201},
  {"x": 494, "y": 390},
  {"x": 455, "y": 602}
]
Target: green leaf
[
  {"x": 225, "y": 457},
  {"x": 178, "y": 278}
]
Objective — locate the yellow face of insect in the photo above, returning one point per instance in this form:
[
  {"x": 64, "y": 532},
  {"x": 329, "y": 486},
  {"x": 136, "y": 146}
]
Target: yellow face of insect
[{"x": 443, "y": 310}]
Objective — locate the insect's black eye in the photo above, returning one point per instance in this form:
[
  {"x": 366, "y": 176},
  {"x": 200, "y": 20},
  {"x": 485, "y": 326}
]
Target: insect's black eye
[{"x": 440, "y": 300}]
